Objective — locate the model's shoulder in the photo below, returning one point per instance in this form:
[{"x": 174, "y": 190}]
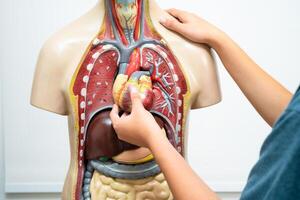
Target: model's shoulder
[
  {"x": 58, "y": 49},
  {"x": 71, "y": 35}
]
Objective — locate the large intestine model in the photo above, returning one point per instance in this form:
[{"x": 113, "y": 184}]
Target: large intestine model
[{"x": 127, "y": 54}]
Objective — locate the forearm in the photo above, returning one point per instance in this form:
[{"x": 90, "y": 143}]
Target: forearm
[
  {"x": 267, "y": 96},
  {"x": 182, "y": 180}
]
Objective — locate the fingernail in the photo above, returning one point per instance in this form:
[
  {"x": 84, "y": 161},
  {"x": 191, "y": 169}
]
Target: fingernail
[
  {"x": 133, "y": 90},
  {"x": 162, "y": 20}
]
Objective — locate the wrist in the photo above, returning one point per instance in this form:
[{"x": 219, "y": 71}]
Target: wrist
[
  {"x": 154, "y": 137},
  {"x": 216, "y": 39}
]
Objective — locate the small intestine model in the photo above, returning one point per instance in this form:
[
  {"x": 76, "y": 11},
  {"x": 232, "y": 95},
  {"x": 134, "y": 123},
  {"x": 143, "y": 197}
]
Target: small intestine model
[{"x": 127, "y": 54}]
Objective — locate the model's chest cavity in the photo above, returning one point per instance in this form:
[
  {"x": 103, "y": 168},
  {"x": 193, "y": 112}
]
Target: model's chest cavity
[
  {"x": 151, "y": 72},
  {"x": 103, "y": 80}
]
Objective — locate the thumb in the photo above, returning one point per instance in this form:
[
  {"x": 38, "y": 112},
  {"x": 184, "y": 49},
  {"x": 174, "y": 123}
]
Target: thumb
[{"x": 136, "y": 100}]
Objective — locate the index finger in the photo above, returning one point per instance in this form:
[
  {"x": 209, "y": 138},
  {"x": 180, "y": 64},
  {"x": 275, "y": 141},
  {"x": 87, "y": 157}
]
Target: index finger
[
  {"x": 179, "y": 14},
  {"x": 136, "y": 101}
]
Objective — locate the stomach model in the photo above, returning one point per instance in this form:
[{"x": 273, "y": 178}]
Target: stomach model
[{"x": 121, "y": 58}]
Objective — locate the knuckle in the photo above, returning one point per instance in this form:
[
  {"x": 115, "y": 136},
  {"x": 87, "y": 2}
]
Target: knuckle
[
  {"x": 170, "y": 22},
  {"x": 135, "y": 98},
  {"x": 116, "y": 125}
]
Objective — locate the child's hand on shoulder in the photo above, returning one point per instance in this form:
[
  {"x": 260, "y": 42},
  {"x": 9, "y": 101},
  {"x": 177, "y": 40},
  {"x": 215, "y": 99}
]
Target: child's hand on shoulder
[{"x": 191, "y": 26}]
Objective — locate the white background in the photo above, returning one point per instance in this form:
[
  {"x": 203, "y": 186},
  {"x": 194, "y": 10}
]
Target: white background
[{"x": 224, "y": 140}]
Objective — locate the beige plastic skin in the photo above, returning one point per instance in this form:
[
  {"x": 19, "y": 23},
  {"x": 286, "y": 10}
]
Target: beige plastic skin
[{"x": 62, "y": 53}]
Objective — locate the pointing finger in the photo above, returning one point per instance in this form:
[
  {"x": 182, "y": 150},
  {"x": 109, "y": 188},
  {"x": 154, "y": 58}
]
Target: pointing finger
[{"x": 136, "y": 101}]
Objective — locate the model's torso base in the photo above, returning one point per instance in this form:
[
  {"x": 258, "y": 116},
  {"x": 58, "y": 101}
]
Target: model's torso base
[{"x": 151, "y": 188}]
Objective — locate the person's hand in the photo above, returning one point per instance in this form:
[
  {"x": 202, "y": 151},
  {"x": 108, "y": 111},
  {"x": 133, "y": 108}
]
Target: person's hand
[
  {"x": 191, "y": 26},
  {"x": 137, "y": 127}
]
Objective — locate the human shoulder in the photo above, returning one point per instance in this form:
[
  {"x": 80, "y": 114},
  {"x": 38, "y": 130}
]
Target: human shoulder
[{"x": 276, "y": 173}]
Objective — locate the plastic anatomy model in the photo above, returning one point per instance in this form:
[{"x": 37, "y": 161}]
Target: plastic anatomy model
[{"x": 127, "y": 54}]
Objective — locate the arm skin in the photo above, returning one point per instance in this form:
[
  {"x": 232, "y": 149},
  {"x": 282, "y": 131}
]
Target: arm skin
[
  {"x": 183, "y": 181},
  {"x": 139, "y": 127},
  {"x": 266, "y": 95}
]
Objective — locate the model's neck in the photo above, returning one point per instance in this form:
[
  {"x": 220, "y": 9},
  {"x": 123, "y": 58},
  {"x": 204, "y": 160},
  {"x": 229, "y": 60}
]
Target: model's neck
[
  {"x": 125, "y": 17},
  {"x": 127, "y": 12}
]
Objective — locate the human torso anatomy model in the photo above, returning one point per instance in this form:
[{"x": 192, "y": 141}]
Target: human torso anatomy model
[{"x": 128, "y": 53}]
